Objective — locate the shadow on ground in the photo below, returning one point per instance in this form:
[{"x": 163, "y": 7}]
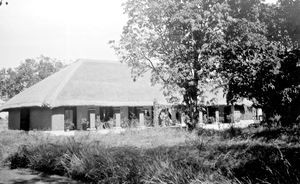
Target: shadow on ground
[{"x": 16, "y": 176}]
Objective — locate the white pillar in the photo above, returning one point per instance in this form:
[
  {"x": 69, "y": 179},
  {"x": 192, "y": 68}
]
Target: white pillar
[
  {"x": 155, "y": 113},
  {"x": 200, "y": 117},
  {"x": 173, "y": 116},
  {"x": 117, "y": 116},
  {"x": 92, "y": 120},
  {"x": 182, "y": 120},
  {"x": 259, "y": 114},
  {"x": 232, "y": 114},
  {"x": 142, "y": 119},
  {"x": 217, "y": 116},
  {"x": 118, "y": 120}
]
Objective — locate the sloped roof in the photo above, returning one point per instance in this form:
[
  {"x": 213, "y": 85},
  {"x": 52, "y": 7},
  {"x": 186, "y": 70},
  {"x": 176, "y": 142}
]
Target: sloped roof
[{"x": 89, "y": 82}]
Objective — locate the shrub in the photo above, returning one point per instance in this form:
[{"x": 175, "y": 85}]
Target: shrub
[
  {"x": 231, "y": 133},
  {"x": 207, "y": 132},
  {"x": 84, "y": 123},
  {"x": 129, "y": 123},
  {"x": 261, "y": 163},
  {"x": 19, "y": 159},
  {"x": 69, "y": 125}
]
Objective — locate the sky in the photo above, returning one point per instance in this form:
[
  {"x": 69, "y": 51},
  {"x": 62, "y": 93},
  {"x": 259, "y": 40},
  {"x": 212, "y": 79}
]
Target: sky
[{"x": 63, "y": 29}]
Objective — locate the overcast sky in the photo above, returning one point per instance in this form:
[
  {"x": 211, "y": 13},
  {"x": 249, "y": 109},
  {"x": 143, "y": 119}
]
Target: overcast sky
[{"x": 62, "y": 29}]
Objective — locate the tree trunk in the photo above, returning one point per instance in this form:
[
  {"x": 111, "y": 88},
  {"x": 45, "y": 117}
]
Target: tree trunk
[{"x": 192, "y": 109}]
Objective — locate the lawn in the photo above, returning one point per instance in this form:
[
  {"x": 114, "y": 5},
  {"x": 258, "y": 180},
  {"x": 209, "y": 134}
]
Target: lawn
[{"x": 162, "y": 155}]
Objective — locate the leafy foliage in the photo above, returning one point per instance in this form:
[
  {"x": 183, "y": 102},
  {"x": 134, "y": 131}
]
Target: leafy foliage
[
  {"x": 266, "y": 73},
  {"x": 29, "y": 72},
  {"x": 240, "y": 46},
  {"x": 179, "y": 42}
]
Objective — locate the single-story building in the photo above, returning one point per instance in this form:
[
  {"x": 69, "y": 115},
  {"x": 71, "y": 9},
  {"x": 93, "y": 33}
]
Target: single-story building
[
  {"x": 216, "y": 108},
  {"x": 95, "y": 94},
  {"x": 86, "y": 91}
]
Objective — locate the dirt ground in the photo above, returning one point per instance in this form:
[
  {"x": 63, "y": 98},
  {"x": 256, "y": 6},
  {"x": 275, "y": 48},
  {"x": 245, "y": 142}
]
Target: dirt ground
[{"x": 26, "y": 176}]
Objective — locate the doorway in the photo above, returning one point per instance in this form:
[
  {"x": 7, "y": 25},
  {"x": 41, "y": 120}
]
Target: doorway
[
  {"x": 106, "y": 113},
  {"x": 25, "y": 119},
  {"x": 70, "y": 118}
]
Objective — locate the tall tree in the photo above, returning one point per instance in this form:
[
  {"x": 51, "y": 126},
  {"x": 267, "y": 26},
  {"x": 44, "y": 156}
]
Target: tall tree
[
  {"x": 193, "y": 43},
  {"x": 283, "y": 21},
  {"x": 178, "y": 42},
  {"x": 254, "y": 63}
]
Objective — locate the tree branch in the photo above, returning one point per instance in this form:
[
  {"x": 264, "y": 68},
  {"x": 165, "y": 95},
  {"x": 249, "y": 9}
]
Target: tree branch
[{"x": 154, "y": 68}]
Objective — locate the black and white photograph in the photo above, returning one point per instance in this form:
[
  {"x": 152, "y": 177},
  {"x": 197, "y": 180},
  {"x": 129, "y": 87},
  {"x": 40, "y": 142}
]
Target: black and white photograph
[{"x": 150, "y": 91}]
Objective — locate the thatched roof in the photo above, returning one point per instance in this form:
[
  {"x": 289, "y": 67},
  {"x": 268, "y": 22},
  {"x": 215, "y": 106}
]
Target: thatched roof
[
  {"x": 89, "y": 82},
  {"x": 215, "y": 95}
]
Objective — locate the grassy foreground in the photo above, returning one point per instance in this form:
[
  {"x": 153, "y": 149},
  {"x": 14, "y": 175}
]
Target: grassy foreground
[{"x": 161, "y": 156}]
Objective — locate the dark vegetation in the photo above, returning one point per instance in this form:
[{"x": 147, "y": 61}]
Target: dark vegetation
[
  {"x": 245, "y": 47},
  {"x": 251, "y": 155}
]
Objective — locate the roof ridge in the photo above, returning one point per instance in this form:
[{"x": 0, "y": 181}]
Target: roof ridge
[
  {"x": 52, "y": 98},
  {"x": 99, "y": 61}
]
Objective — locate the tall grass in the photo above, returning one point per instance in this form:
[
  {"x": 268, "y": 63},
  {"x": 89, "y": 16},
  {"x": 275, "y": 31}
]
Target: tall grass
[
  {"x": 162, "y": 156},
  {"x": 11, "y": 140}
]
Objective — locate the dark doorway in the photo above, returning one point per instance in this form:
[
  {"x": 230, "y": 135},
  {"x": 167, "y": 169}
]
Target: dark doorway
[
  {"x": 25, "y": 119},
  {"x": 227, "y": 114},
  {"x": 92, "y": 116},
  {"x": 70, "y": 118},
  {"x": 133, "y": 113},
  {"x": 106, "y": 113}
]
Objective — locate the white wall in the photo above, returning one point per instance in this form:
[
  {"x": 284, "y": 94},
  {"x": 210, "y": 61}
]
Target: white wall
[{"x": 58, "y": 119}]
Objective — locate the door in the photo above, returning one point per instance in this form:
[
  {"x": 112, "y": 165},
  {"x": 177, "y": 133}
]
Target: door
[
  {"x": 25, "y": 119},
  {"x": 70, "y": 118}
]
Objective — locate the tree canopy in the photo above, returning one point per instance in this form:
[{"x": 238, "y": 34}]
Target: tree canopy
[
  {"x": 191, "y": 44},
  {"x": 254, "y": 65},
  {"x": 29, "y": 72},
  {"x": 178, "y": 41}
]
